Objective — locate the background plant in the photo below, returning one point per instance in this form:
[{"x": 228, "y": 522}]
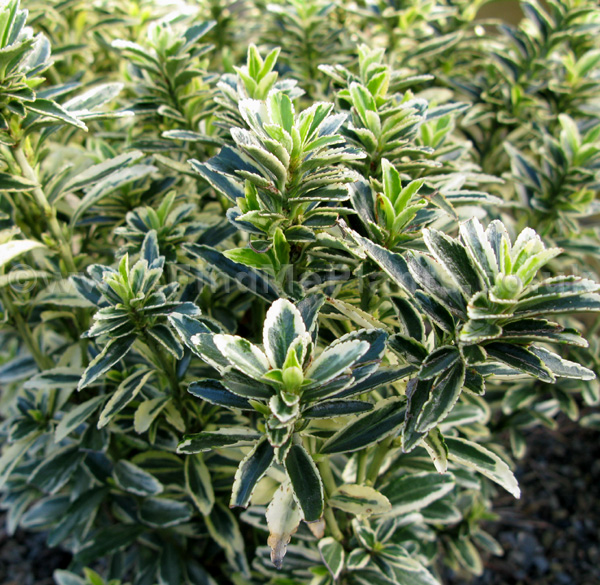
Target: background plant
[{"x": 285, "y": 285}]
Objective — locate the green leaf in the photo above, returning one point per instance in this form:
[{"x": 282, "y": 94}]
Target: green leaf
[
  {"x": 147, "y": 411},
  {"x": 479, "y": 249},
  {"x": 281, "y": 110},
  {"x": 199, "y": 484},
  {"x": 526, "y": 330},
  {"x": 335, "y": 408},
  {"x": 363, "y": 101},
  {"x": 164, "y": 512},
  {"x": 306, "y": 482},
  {"x": 93, "y": 98},
  {"x": 142, "y": 54},
  {"x": 394, "y": 265},
  {"x": 385, "y": 419},
  {"x": 14, "y": 248},
  {"x": 251, "y": 258},
  {"x": 441, "y": 512},
  {"x": 335, "y": 360},
  {"x": 465, "y": 552},
  {"x": 187, "y": 328},
  {"x": 534, "y": 263},
  {"x": 170, "y": 569},
  {"x": 80, "y": 512},
  {"x": 245, "y": 386},
  {"x": 108, "y": 540},
  {"x": 415, "y": 491},
  {"x": 332, "y": 553},
  {"x": 133, "y": 479},
  {"x": 51, "y": 109},
  {"x": 44, "y": 512},
  {"x": 417, "y": 393},
  {"x": 10, "y": 182},
  {"x": 95, "y": 173},
  {"x": 250, "y": 471},
  {"x": 17, "y": 277},
  {"x": 521, "y": 359},
  {"x": 61, "y": 377},
  {"x": 409, "y": 571},
  {"x": 207, "y": 441},
  {"x": 404, "y": 570},
  {"x": 214, "y": 392},
  {"x": 411, "y": 320},
  {"x": 476, "y": 331},
  {"x": 12, "y": 454},
  {"x": 109, "y": 184},
  {"x": 438, "y": 451},
  {"x": 224, "y": 530},
  {"x": 543, "y": 305},
  {"x": 167, "y": 339},
  {"x": 453, "y": 256},
  {"x": 437, "y": 313},
  {"x": 283, "y": 324},
  {"x": 591, "y": 421},
  {"x": 56, "y": 469},
  {"x": 114, "y": 351},
  {"x": 380, "y": 377},
  {"x": 430, "y": 276},
  {"x": 77, "y": 416},
  {"x": 247, "y": 278},
  {"x": 442, "y": 397},
  {"x": 213, "y": 173},
  {"x": 484, "y": 461},
  {"x": 283, "y": 518},
  {"x": 372, "y": 577},
  {"x": 360, "y": 500},
  {"x": 164, "y": 465},
  {"x": 243, "y": 355},
  {"x": 247, "y": 141},
  {"x": 439, "y": 361},
  {"x": 560, "y": 367},
  {"x": 124, "y": 394},
  {"x": 392, "y": 184}
]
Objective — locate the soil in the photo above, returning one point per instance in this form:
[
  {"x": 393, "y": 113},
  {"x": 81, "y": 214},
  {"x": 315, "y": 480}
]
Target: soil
[
  {"x": 551, "y": 536},
  {"x": 25, "y": 559}
]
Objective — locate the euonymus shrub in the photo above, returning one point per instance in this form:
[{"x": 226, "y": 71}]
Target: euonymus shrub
[{"x": 283, "y": 285}]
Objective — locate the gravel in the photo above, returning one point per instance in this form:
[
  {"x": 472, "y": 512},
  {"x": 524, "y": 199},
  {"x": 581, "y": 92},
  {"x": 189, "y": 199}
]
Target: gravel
[
  {"x": 551, "y": 536},
  {"x": 25, "y": 559}
]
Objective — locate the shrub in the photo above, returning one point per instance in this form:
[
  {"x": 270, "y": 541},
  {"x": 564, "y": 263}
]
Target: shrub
[{"x": 284, "y": 284}]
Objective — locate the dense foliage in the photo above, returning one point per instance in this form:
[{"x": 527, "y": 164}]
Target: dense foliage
[{"x": 283, "y": 285}]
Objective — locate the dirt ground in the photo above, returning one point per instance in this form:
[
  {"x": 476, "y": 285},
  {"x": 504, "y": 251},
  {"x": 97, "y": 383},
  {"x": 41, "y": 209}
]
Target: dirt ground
[{"x": 551, "y": 536}]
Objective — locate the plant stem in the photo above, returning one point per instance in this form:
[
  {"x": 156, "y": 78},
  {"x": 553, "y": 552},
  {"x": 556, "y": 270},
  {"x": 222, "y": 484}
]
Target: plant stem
[
  {"x": 47, "y": 209},
  {"x": 330, "y": 487},
  {"x": 42, "y": 361},
  {"x": 333, "y": 525},
  {"x": 327, "y": 475},
  {"x": 164, "y": 363},
  {"x": 361, "y": 472},
  {"x": 378, "y": 457}
]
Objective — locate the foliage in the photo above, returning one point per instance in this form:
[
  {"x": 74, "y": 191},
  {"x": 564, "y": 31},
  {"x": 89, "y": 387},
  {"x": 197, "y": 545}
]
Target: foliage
[{"x": 284, "y": 284}]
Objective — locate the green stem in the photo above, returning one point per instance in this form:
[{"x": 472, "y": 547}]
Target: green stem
[
  {"x": 47, "y": 209},
  {"x": 333, "y": 525},
  {"x": 327, "y": 475},
  {"x": 361, "y": 473},
  {"x": 330, "y": 487},
  {"x": 378, "y": 457},
  {"x": 43, "y": 361},
  {"x": 163, "y": 362}
]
